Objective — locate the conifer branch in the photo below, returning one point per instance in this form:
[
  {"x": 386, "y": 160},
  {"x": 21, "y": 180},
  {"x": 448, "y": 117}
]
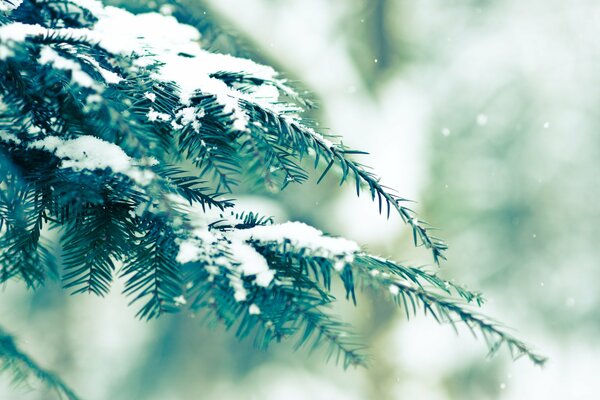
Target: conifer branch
[
  {"x": 410, "y": 294},
  {"x": 129, "y": 147},
  {"x": 408, "y": 286},
  {"x": 22, "y": 368},
  {"x": 93, "y": 242},
  {"x": 22, "y": 251},
  {"x": 292, "y": 133},
  {"x": 152, "y": 273}
]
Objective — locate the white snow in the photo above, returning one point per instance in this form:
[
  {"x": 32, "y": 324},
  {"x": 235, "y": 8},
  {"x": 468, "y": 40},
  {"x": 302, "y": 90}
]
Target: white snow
[
  {"x": 154, "y": 115},
  {"x": 188, "y": 251},
  {"x": 253, "y": 309},
  {"x": 300, "y": 235},
  {"x": 9, "y": 6},
  {"x": 108, "y": 76},
  {"x": 252, "y": 263},
  {"x": 177, "y": 46},
  {"x": 166, "y": 9},
  {"x": 9, "y": 137},
  {"x": 239, "y": 291},
  {"x": 339, "y": 265},
  {"x": 5, "y": 52},
  {"x": 328, "y": 143},
  {"x": 49, "y": 56},
  {"x": 189, "y": 115},
  {"x": 17, "y": 31},
  {"x": 91, "y": 153}
]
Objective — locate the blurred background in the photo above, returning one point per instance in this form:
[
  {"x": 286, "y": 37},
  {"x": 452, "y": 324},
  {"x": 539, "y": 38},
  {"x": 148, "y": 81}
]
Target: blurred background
[{"x": 483, "y": 111}]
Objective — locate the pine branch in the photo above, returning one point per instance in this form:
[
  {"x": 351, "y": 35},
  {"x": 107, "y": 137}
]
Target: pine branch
[
  {"x": 302, "y": 303},
  {"x": 137, "y": 94},
  {"x": 295, "y": 135},
  {"x": 22, "y": 368},
  {"x": 278, "y": 312},
  {"x": 322, "y": 329},
  {"x": 152, "y": 274},
  {"x": 408, "y": 286},
  {"x": 212, "y": 295},
  {"x": 419, "y": 276},
  {"x": 129, "y": 150},
  {"x": 22, "y": 251},
  {"x": 443, "y": 309},
  {"x": 266, "y": 158},
  {"x": 211, "y": 150},
  {"x": 92, "y": 244},
  {"x": 248, "y": 83},
  {"x": 191, "y": 188}
]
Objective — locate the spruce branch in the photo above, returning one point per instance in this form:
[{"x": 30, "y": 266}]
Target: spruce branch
[
  {"x": 291, "y": 307},
  {"x": 419, "y": 277},
  {"x": 247, "y": 83},
  {"x": 134, "y": 148},
  {"x": 264, "y": 153},
  {"x": 323, "y": 330},
  {"x": 407, "y": 286},
  {"x": 292, "y": 133},
  {"x": 92, "y": 244},
  {"x": 23, "y": 254},
  {"x": 304, "y": 305},
  {"x": 22, "y": 368},
  {"x": 152, "y": 273},
  {"x": 410, "y": 294},
  {"x": 191, "y": 188},
  {"x": 211, "y": 149}
]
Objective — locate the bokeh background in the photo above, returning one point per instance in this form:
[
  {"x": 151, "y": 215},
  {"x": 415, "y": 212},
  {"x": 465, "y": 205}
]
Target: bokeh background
[{"x": 483, "y": 111}]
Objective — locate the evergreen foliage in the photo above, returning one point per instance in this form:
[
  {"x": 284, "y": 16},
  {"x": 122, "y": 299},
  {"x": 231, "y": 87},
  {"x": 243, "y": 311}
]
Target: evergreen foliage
[
  {"x": 22, "y": 368},
  {"x": 134, "y": 167}
]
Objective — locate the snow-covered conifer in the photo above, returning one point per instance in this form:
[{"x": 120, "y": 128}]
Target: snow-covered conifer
[{"x": 131, "y": 140}]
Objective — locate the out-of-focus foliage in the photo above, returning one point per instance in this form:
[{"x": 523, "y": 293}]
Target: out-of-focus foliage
[{"x": 21, "y": 367}]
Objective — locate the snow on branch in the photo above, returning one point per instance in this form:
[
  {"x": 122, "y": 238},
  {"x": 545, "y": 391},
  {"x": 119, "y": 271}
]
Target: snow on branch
[
  {"x": 91, "y": 153},
  {"x": 300, "y": 235},
  {"x": 96, "y": 92}
]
